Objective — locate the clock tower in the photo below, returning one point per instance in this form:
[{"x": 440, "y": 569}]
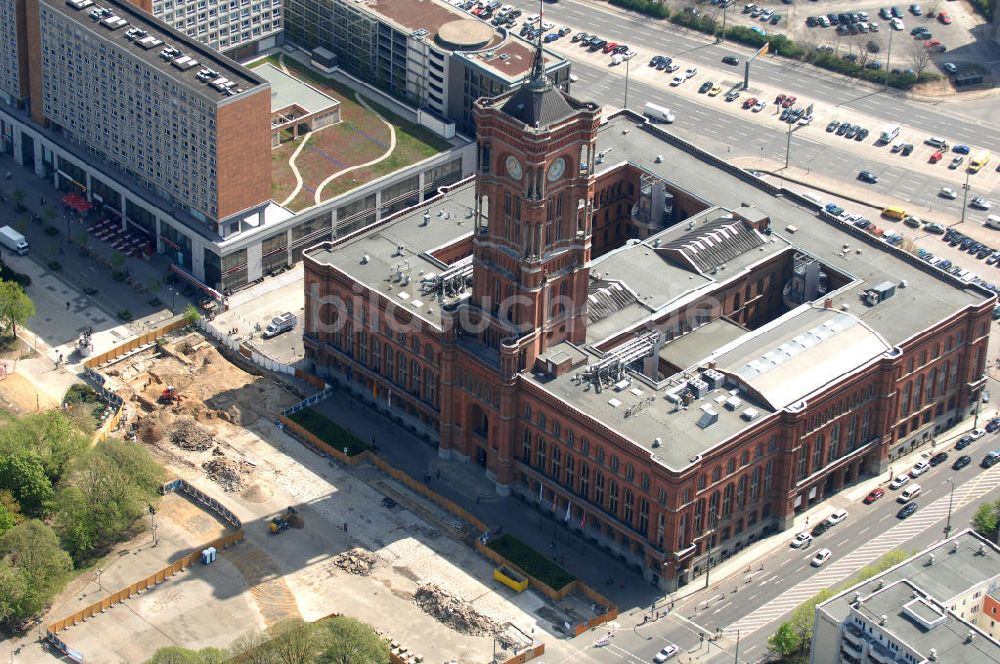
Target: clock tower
[{"x": 534, "y": 203}]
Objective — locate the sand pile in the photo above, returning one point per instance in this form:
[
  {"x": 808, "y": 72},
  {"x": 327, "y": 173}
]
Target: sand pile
[{"x": 257, "y": 493}]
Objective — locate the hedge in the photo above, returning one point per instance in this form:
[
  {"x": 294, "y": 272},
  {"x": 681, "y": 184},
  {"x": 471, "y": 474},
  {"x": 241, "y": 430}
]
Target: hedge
[
  {"x": 7, "y": 274},
  {"x": 532, "y": 562},
  {"x": 329, "y": 431},
  {"x": 780, "y": 44}
]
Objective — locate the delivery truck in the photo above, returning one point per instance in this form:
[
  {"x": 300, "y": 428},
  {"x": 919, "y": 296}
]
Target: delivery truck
[
  {"x": 658, "y": 113},
  {"x": 888, "y": 133},
  {"x": 13, "y": 241}
]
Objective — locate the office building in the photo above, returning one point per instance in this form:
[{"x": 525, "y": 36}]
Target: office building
[
  {"x": 238, "y": 28},
  {"x": 941, "y": 605},
  {"x": 425, "y": 53},
  {"x": 640, "y": 339}
]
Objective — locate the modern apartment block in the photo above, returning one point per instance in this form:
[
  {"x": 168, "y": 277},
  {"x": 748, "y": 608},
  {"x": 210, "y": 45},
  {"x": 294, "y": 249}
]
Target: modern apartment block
[
  {"x": 941, "y": 605},
  {"x": 237, "y": 28},
  {"x": 426, "y": 53}
]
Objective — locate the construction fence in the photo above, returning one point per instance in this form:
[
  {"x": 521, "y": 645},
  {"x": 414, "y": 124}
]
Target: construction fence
[
  {"x": 250, "y": 352},
  {"x": 133, "y": 345},
  {"x": 155, "y": 578}
]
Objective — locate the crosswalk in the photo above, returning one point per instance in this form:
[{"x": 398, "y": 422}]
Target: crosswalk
[{"x": 842, "y": 568}]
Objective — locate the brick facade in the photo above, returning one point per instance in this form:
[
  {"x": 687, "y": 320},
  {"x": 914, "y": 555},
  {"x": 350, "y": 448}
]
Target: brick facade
[{"x": 243, "y": 153}]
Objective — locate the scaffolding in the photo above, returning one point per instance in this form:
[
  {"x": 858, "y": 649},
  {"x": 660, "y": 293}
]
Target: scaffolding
[
  {"x": 611, "y": 368},
  {"x": 451, "y": 282}
]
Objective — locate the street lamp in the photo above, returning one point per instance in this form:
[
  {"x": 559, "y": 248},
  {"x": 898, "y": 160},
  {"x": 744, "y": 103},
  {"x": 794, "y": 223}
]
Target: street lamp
[
  {"x": 888, "y": 55},
  {"x": 965, "y": 194},
  {"x": 725, "y": 8},
  {"x": 625, "y": 104},
  {"x": 788, "y": 144},
  {"x": 173, "y": 298},
  {"x": 951, "y": 495}
]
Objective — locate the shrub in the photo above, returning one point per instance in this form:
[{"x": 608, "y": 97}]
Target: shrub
[
  {"x": 329, "y": 431},
  {"x": 7, "y": 274},
  {"x": 647, "y": 7},
  {"x": 55, "y": 266},
  {"x": 532, "y": 562}
]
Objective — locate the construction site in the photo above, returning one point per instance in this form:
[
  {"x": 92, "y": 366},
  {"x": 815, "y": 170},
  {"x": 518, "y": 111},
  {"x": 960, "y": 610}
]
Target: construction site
[{"x": 320, "y": 538}]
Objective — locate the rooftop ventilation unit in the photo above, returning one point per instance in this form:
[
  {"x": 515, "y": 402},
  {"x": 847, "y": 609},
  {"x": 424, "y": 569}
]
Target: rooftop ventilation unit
[
  {"x": 698, "y": 387},
  {"x": 169, "y": 53},
  {"x": 135, "y": 33},
  {"x": 184, "y": 63},
  {"x": 221, "y": 84},
  {"x": 657, "y": 442},
  {"x": 970, "y": 636},
  {"x": 149, "y": 42},
  {"x": 882, "y": 619},
  {"x": 99, "y": 13},
  {"x": 750, "y": 414},
  {"x": 114, "y": 22},
  {"x": 79, "y": 4},
  {"x": 708, "y": 417},
  {"x": 715, "y": 379},
  {"x": 930, "y": 559},
  {"x": 932, "y": 654},
  {"x": 732, "y": 403}
]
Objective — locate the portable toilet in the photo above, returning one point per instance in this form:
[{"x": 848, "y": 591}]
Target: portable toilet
[{"x": 208, "y": 555}]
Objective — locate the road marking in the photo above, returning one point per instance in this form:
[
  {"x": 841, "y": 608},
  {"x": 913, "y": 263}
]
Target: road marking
[
  {"x": 862, "y": 532},
  {"x": 842, "y": 568}
]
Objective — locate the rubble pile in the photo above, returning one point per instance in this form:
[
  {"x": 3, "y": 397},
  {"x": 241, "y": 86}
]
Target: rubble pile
[
  {"x": 230, "y": 475},
  {"x": 454, "y": 612},
  {"x": 189, "y": 435},
  {"x": 356, "y": 561}
]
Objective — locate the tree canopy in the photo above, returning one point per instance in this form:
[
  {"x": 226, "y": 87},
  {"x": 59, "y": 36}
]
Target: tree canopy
[
  {"x": 15, "y": 306},
  {"x": 32, "y": 569}
]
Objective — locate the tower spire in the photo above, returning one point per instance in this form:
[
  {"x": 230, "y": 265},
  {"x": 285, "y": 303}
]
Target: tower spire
[{"x": 538, "y": 80}]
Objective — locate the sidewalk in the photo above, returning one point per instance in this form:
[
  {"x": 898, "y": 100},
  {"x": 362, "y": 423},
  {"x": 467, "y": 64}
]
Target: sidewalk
[{"x": 539, "y": 529}]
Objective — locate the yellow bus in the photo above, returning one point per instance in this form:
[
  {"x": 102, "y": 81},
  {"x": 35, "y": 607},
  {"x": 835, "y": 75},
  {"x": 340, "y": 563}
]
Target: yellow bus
[{"x": 981, "y": 159}]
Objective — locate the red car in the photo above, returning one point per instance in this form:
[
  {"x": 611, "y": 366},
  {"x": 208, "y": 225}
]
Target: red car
[
  {"x": 750, "y": 102},
  {"x": 789, "y": 101},
  {"x": 874, "y": 495},
  {"x": 780, "y": 98},
  {"x": 610, "y": 46},
  {"x": 944, "y": 18},
  {"x": 936, "y": 157}
]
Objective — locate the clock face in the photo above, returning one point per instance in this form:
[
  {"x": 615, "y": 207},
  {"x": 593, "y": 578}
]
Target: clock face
[
  {"x": 513, "y": 167},
  {"x": 557, "y": 169}
]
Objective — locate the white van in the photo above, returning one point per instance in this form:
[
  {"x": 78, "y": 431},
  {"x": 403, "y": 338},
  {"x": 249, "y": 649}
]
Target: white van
[
  {"x": 993, "y": 221},
  {"x": 909, "y": 493},
  {"x": 812, "y": 198},
  {"x": 658, "y": 113}
]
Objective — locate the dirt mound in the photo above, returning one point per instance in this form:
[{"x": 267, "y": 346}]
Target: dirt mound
[
  {"x": 454, "y": 612},
  {"x": 257, "y": 493},
  {"x": 189, "y": 435},
  {"x": 230, "y": 475},
  {"x": 151, "y": 432},
  {"x": 356, "y": 561}
]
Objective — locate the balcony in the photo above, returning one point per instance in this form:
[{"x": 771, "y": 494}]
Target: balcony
[{"x": 880, "y": 654}]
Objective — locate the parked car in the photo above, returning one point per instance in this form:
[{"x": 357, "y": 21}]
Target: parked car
[
  {"x": 874, "y": 495},
  {"x": 838, "y": 516},
  {"x": 899, "y": 481},
  {"x": 944, "y": 18},
  {"x": 750, "y": 101},
  {"x": 938, "y": 458},
  {"x": 936, "y": 157},
  {"x": 716, "y": 89},
  {"x": 832, "y": 127},
  {"x": 961, "y": 149},
  {"x": 919, "y": 468},
  {"x": 788, "y": 101},
  {"x": 993, "y": 425},
  {"x": 950, "y": 67},
  {"x": 705, "y": 87},
  {"x": 820, "y": 528},
  {"x": 834, "y": 209},
  {"x": 801, "y": 540},
  {"x": 956, "y": 162}
]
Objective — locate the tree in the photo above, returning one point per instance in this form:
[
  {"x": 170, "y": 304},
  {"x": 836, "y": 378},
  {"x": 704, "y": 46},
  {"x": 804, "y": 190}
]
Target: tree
[
  {"x": 191, "y": 315},
  {"x": 349, "y": 641},
  {"x": 15, "y": 306},
  {"x": 986, "y": 520},
  {"x": 176, "y": 655},
  {"x": 785, "y": 641},
  {"x": 110, "y": 490},
  {"x": 293, "y": 641},
  {"x": 50, "y": 435},
  {"x": 251, "y": 648},
  {"x": 9, "y": 515},
  {"x": 32, "y": 551},
  {"x": 23, "y": 474},
  {"x": 19, "y": 195},
  {"x": 920, "y": 57}
]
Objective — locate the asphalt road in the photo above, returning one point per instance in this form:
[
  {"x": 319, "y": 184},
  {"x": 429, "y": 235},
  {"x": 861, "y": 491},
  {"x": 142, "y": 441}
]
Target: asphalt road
[
  {"x": 756, "y": 607},
  {"x": 737, "y": 136}
]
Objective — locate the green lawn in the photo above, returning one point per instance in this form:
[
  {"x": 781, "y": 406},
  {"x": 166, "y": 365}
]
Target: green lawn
[
  {"x": 532, "y": 562},
  {"x": 329, "y": 431}
]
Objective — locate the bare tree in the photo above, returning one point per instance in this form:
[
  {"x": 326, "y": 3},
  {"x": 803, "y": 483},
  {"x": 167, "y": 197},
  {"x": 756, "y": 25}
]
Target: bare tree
[
  {"x": 293, "y": 641},
  {"x": 251, "y": 648},
  {"x": 920, "y": 57}
]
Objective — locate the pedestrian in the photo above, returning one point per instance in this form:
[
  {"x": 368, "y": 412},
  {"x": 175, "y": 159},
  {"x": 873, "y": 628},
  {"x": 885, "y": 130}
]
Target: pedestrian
[
  {"x": 67, "y": 306},
  {"x": 345, "y": 526},
  {"x": 8, "y": 175},
  {"x": 807, "y": 521}
]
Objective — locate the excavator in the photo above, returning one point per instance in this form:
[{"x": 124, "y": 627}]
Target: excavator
[{"x": 169, "y": 395}]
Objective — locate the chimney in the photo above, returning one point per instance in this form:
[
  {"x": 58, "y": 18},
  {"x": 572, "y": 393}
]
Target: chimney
[{"x": 828, "y": 303}]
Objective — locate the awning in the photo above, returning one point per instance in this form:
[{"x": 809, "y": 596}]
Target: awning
[
  {"x": 190, "y": 278},
  {"x": 77, "y": 202}
]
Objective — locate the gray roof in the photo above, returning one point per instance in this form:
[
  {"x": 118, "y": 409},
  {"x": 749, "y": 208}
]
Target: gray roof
[
  {"x": 166, "y": 36},
  {"x": 538, "y": 107},
  {"x": 286, "y": 90},
  {"x": 919, "y": 600},
  {"x": 701, "y": 342}
]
